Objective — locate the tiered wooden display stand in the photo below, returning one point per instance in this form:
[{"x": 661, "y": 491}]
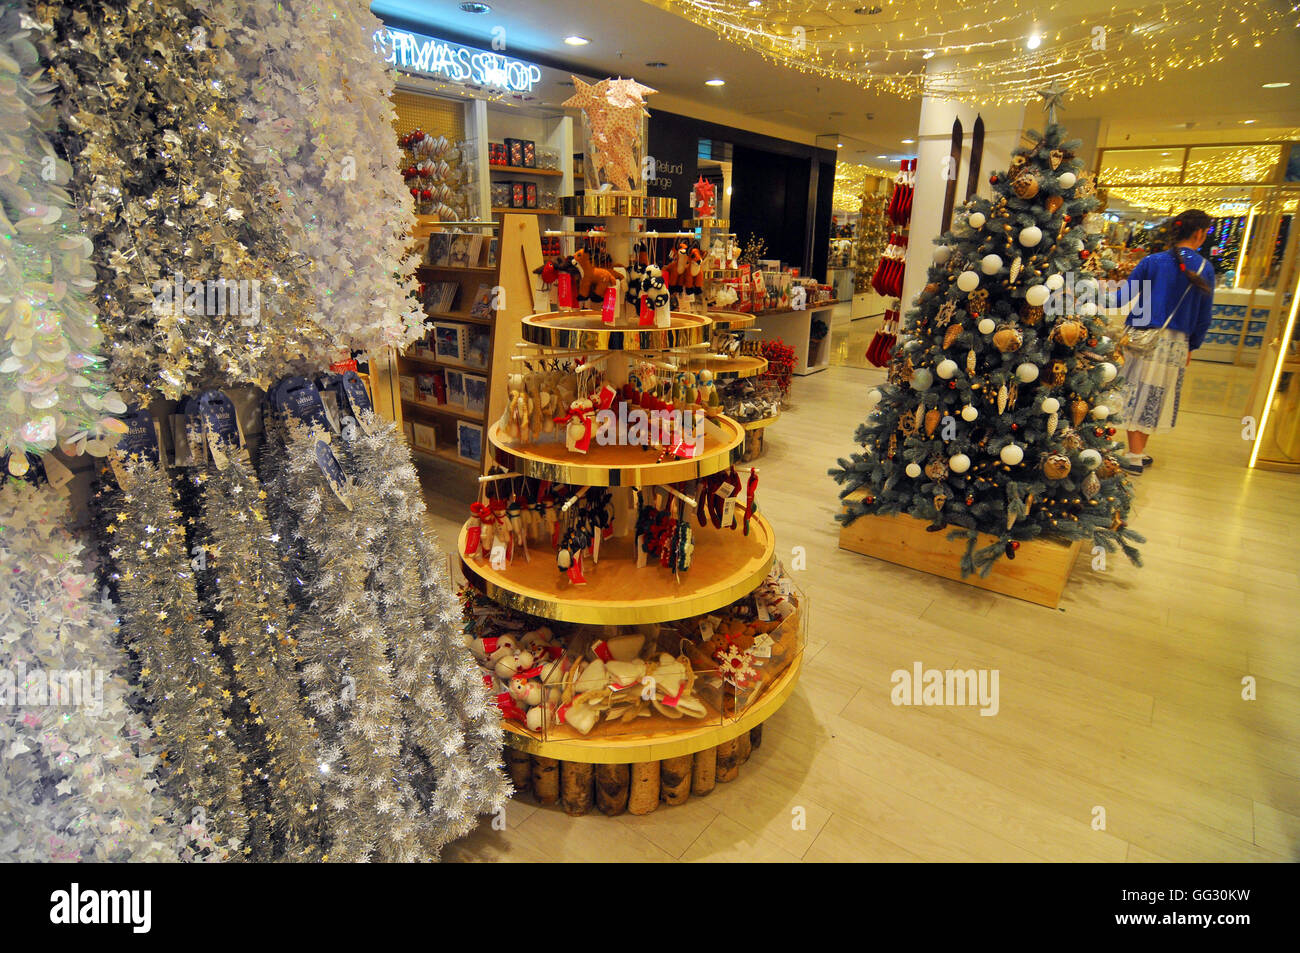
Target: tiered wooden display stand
[
  {"x": 636, "y": 766},
  {"x": 738, "y": 369}
]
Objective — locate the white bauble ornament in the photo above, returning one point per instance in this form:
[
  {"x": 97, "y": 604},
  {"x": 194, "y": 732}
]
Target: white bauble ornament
[
  {"x": 991, "y": 264},
  {"x": 1050, "y": 405},
  {"x": 1090, "y": 459},
  {"x": 976, "y": 219},
  {"x": 969, "y": 413},
  {"x": 1012, "y": 454},
  {"x": 959, "y": 463},
  {"x": 1100, "y": 412},
  {"x": 1055, "y": 282},
  {"x": 1027, "y": 373},
  {"x": 942, "y": 254},
  {"x": 1088, "y": 309},
  {"x": 1036, "y": 295},
  {"x": 1066, "y": 180},
  {"x": 986, "y": 326},
  {"x": 873, "y": 398},
  {"x": 1108, "y": 372},
  {"x": 968, "y": 281},
  {"x": 922, "y": 379},
  {"x": 1031, "y": 236},
  {"x": 947, "y": 369},
  {"x": 913, "y": 470}
]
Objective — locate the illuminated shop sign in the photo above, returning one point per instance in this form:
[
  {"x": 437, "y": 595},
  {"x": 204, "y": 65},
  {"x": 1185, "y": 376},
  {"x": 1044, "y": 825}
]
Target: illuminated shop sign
[{"x": 415, "y": 53}]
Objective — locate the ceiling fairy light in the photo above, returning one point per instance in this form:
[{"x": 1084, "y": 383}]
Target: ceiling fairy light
[{"x": 994, "y": 51}]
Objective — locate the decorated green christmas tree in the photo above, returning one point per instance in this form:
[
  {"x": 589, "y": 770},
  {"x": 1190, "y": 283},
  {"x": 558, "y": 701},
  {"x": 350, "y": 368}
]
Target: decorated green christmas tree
[{"x": 995, "y": 417}]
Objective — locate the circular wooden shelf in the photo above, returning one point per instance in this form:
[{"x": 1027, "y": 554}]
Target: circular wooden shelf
[
  {"x": 682, "y": 739},
  {"x": 729, "y": 321},
  {"x": 760, "y": 424},
  {"x": 585, "y": 331},
  {"x": 732, "y": 369},
  {"x": 727, "y": 565},
  {"x": 618, "y": 464}
]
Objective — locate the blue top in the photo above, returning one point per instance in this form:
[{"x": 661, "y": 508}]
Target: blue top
[{"x": 1157, "y": 283}]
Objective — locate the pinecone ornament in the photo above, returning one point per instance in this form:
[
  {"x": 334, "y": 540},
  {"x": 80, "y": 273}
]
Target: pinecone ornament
[
  {"x": 1002, "y": 398},
  {"x": 1078, "y": 411},
  {"x": 932, "y": 419},
  {"x": 950, "y": 337}
]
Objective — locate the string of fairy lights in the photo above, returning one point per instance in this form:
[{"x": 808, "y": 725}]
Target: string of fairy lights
[{"x": 993, "y": 51}]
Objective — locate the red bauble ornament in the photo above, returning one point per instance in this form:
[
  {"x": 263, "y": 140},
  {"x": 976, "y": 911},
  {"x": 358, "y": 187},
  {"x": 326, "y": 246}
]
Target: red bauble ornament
[
  {"x": 1110, "y": 431},
  {"x": 993, "y": 180},
  {"x": 952, "y": 385},
  {"x": 415, "y": 193},
  {"x": 871, "y": 499},
  {"x": 427, "y": 195},
  {"x": 1015, "y": 544},
  {"x": 1098, "y": 431},
  {"x": 1015, "y": 427},
  {"x": 970, "y": 501},
  {"x": 1084, "y": 253}
]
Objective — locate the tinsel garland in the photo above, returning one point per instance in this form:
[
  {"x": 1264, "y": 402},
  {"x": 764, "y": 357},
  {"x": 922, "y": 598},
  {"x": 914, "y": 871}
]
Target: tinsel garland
[
  {"x": 373, "y": 809},
  {"x": 169, "y": 198},
  {"x": 453, "y": 718},
  {"x": 318, "y": 116},
  {"x": 52, "y": 384},
  {"x": 78, "y": 780},
  {"x": 255, "y": 627},
  {"x": 185, "y": 685}
]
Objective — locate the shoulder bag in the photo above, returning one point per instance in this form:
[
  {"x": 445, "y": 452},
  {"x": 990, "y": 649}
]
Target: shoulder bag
[{"x": 1143, "y": 341}]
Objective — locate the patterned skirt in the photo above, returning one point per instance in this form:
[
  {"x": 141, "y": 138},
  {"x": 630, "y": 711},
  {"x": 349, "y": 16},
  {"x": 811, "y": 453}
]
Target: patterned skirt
[{"x": 1154, "y": 383}]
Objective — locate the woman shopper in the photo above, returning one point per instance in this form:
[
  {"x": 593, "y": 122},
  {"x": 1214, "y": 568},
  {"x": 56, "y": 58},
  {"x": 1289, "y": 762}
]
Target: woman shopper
[{"x": 1174, "y": 291}]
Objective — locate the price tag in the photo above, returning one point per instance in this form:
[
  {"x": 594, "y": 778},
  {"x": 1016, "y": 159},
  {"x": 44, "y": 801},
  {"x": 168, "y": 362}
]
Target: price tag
[
  {"x": 141, "y": 437},
  {"x": 610, "y": 306},
  {"x": 729, "y": 512},
  {"x": 647, "y": 313},
  {"x": 564, "y": 289},
  {"x": 706, "y": 629},
  {"x": 726, "y": 489},
  {"x": 329, "y": 465},
  {"x": 220, "y": 426},
  {"x": 353, "y": 391},
  {"x": 762, "y": 647},
  {"x": 763, "y": 614},
  {"x": 298, "y": 397}
]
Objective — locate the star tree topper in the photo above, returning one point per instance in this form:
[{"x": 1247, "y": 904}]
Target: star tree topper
[{"x": 1053, "y": 99}]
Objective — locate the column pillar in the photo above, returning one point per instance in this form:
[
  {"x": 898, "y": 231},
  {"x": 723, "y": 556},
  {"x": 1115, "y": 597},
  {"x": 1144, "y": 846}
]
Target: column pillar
[{"x": 1002, "y": 128}]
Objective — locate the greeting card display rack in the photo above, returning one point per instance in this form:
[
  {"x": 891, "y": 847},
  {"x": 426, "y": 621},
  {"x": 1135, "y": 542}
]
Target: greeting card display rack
[{"x": 636, "y": 763}]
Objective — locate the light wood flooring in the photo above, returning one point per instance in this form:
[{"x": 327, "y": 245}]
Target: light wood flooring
[{"x": 1128, "y": 699}]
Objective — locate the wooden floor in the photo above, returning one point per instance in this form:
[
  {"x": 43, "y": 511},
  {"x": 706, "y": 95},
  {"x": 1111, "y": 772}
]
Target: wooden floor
[{"x": 1127, "y": 701}]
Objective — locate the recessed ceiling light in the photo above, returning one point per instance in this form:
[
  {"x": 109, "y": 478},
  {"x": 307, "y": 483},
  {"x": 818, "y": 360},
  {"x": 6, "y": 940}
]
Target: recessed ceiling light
[
  {"x": 715, "y": 82},
  {"x": 475, "y": 8},
  {"x": 1247, "y": 122},
  {"x": 928, "y": 54},
  {"x": 755, "y": 3},
  {"x": 839, "y": 145},
  {"x": 907, "y": 142},
  {"x": 1275, "y": 85},
  {"x": 576, "y": 40},
  {"x": 1035, "y": 41},
  {"x": 882, "y": 157},
  {"x": 656, "y": 64}
]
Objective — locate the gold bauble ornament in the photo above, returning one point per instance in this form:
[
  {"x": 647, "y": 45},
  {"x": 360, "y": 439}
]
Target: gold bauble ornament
[
  {"x": 1025, "y": 185},
  {"x": 1007, "y": 338},
  {"x": 1069, "y": 332},
  {"x": 1056, "y": 466}
]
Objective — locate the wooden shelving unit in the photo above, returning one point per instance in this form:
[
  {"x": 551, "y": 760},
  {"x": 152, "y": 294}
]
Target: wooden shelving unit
[{"x": 524, "y": 170}]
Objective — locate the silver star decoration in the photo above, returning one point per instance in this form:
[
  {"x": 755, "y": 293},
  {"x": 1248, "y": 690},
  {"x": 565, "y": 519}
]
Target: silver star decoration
[{"x": 1053, "y": 97}]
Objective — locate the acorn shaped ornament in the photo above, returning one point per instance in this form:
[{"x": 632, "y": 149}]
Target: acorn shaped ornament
[
  {"x": 1078, "y": 410},
  {"x": 932, "y": 419}
]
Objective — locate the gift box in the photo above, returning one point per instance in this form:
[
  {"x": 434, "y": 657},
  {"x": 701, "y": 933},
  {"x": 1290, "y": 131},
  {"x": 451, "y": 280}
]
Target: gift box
[
  {"x": 517, "y": 195},
  {"x": 515, "y": 153},
  {"x": 530, "y": 195},
  {"x": 530, "y": 154}
]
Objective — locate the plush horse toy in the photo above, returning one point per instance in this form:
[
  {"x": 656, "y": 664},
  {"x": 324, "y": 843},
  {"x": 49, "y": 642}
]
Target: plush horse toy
[{"x": 594, "y": 282}]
